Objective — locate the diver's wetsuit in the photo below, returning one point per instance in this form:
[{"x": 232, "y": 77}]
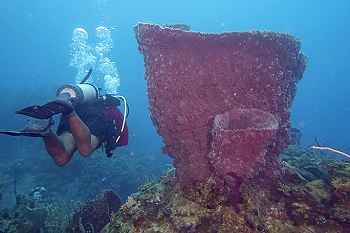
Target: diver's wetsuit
[{"x": 92, "y": 117}]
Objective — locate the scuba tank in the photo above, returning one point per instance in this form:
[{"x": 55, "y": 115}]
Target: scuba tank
[{"x": 81, "y": 93}]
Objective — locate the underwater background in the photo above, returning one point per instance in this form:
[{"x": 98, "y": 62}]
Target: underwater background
[{"x": 35, "y": 53}]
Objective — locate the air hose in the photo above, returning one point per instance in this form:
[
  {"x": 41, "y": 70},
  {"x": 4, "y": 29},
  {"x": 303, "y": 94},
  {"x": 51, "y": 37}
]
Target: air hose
[{"x": 126, "y": 112}]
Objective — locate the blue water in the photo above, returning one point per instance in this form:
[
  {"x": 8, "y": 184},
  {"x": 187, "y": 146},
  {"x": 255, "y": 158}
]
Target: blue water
[{"x": 35, "y": 53}]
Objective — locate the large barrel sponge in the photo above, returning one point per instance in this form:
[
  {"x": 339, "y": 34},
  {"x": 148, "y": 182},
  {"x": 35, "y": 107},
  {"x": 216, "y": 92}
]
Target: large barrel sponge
[{"x": 192, "y": 77}]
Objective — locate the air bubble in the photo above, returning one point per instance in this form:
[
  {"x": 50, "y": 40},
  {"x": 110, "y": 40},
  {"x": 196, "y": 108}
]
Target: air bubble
[{"x": 85, "y": 56}]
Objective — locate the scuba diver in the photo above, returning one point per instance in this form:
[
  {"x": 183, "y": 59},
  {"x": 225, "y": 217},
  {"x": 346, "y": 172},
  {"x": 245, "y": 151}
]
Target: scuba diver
[{"x": 88, "y": 121}]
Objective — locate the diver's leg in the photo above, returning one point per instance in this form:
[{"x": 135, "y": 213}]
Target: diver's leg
[
  {"x": 85, "y": 142},
  {"x": 60, "y": 148}
]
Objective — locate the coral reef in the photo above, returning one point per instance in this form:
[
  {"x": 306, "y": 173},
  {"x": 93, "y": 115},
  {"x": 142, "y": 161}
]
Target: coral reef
[
  {"x": 89, "y": 217},
  {"x": 45, "y": 219},
  {"x": 313, "y": 196},
  {"x": 291, "y": 204},
  {"x": 193, "y": 77},
  {"x": 23, "y": 219}
]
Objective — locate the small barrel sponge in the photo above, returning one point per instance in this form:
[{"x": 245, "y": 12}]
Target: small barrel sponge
[{"x": 240, "y": 138}]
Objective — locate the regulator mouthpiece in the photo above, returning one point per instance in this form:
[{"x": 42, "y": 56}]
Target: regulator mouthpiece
[{"x": 80, "y": 93}]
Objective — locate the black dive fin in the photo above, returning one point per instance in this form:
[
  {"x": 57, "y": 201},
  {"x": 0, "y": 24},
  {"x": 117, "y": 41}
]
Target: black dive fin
[
  {"x": 20, "y": 133},
  {"x": 36, "y": 111},
  {"x": 61, "y": 104},
  {"x": 34, "y": 128}
]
